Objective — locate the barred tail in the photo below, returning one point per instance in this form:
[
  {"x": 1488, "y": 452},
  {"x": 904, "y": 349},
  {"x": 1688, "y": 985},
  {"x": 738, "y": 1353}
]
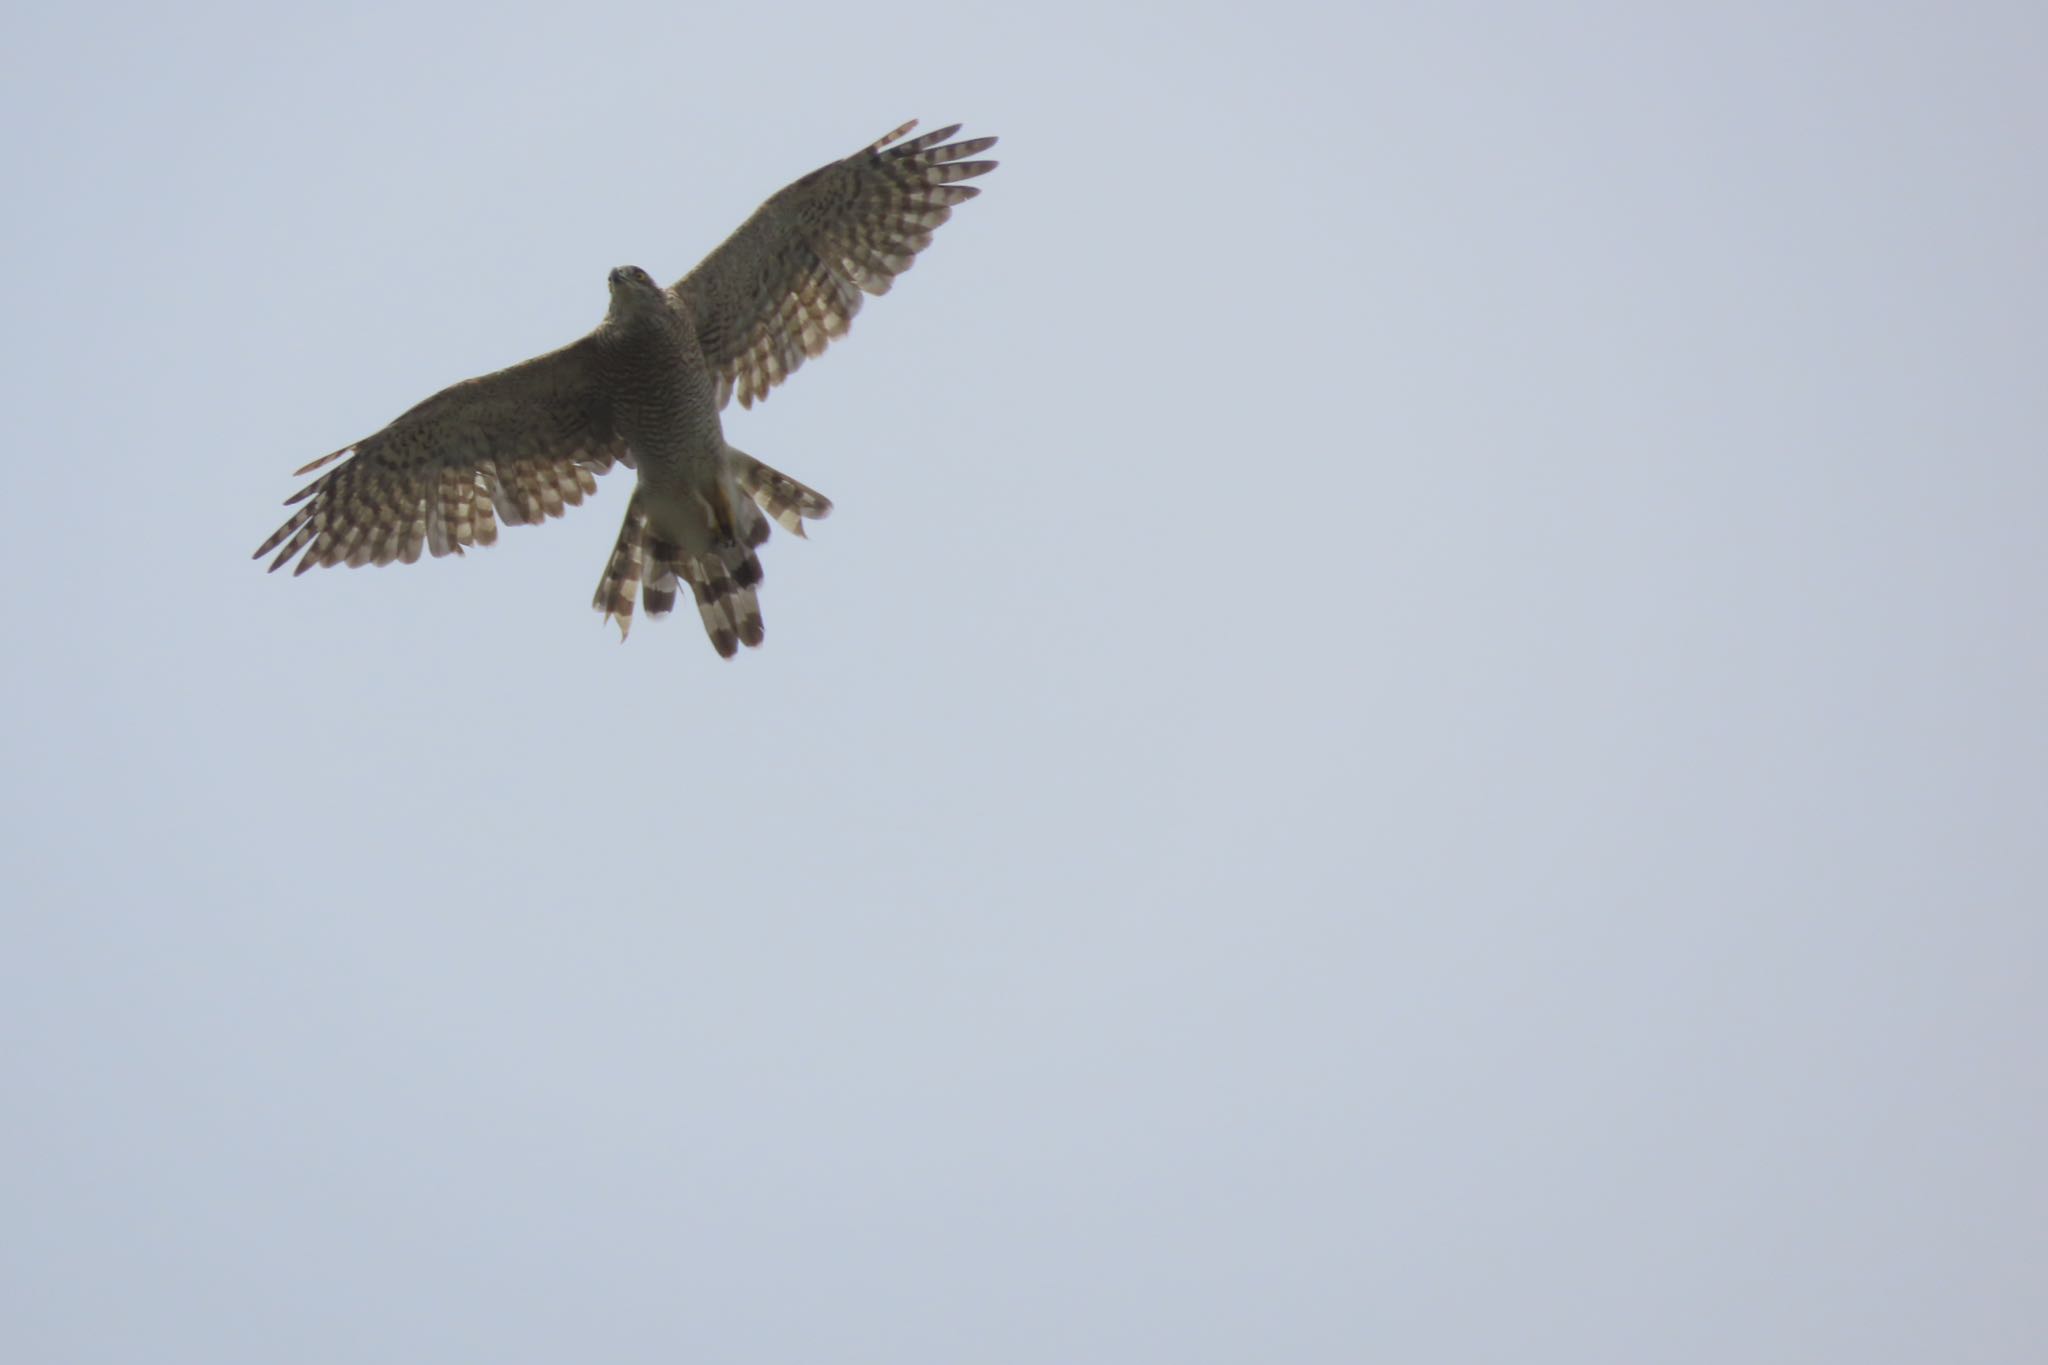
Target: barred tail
[
  {"x": 723, "y": 583},
  {"x": 707, "y": 540},
  {"x": 780, "y": 496},
  {"x": 723, "y": 579},
  {"x": 623, "y": 572}
]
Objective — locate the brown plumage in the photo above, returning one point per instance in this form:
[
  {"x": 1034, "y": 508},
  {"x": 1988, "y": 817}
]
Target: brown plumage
[{"x": 645, "y": 390}]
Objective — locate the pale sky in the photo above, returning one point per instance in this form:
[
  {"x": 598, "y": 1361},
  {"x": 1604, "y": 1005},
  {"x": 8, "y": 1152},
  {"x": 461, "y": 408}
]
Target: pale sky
[{"x": 1418, "y": 736}]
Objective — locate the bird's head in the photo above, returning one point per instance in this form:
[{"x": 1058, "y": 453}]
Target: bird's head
[{"x": 634, "y": 289}]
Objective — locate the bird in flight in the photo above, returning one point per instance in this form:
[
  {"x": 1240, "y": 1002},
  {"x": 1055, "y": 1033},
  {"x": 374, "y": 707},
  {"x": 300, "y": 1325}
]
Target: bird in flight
[{"x": 645, "y": 390}]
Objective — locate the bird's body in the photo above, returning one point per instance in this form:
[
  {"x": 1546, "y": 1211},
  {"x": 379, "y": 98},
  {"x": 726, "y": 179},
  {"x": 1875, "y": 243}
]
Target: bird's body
[
  {"x": 645, "y": 389},
  {"x": 689, "y": 518}
]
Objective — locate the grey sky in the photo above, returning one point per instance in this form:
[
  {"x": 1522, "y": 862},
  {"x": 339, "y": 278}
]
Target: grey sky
[{"x": 1418, "y": 736}]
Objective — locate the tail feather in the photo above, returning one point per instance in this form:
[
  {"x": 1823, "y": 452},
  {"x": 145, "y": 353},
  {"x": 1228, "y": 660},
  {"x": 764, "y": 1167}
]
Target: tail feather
[
  {"x": 658, "y": 593},
  {"x": 622, "y": 573},
  {"x": 715, "y": 556},
  {"x": 780, "y": 496},
  {"x": 731, "y": 613}
]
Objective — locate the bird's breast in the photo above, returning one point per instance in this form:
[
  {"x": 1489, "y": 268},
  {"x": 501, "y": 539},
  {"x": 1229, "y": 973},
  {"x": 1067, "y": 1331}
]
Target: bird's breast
[{"x": 662, "y": 400}]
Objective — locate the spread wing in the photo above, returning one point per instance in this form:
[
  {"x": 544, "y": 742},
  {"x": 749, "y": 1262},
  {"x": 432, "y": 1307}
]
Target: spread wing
[
  {"x": 522, "y": 443},
  {"x": 790, "y": 280}
]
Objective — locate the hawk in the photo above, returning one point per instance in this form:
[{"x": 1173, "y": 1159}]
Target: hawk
[{"x": 645, "y": 390}]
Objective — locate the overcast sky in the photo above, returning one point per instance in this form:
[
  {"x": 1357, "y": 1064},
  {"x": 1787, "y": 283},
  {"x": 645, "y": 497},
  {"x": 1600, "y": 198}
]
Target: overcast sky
[{"x": 1418, "y": 736}]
